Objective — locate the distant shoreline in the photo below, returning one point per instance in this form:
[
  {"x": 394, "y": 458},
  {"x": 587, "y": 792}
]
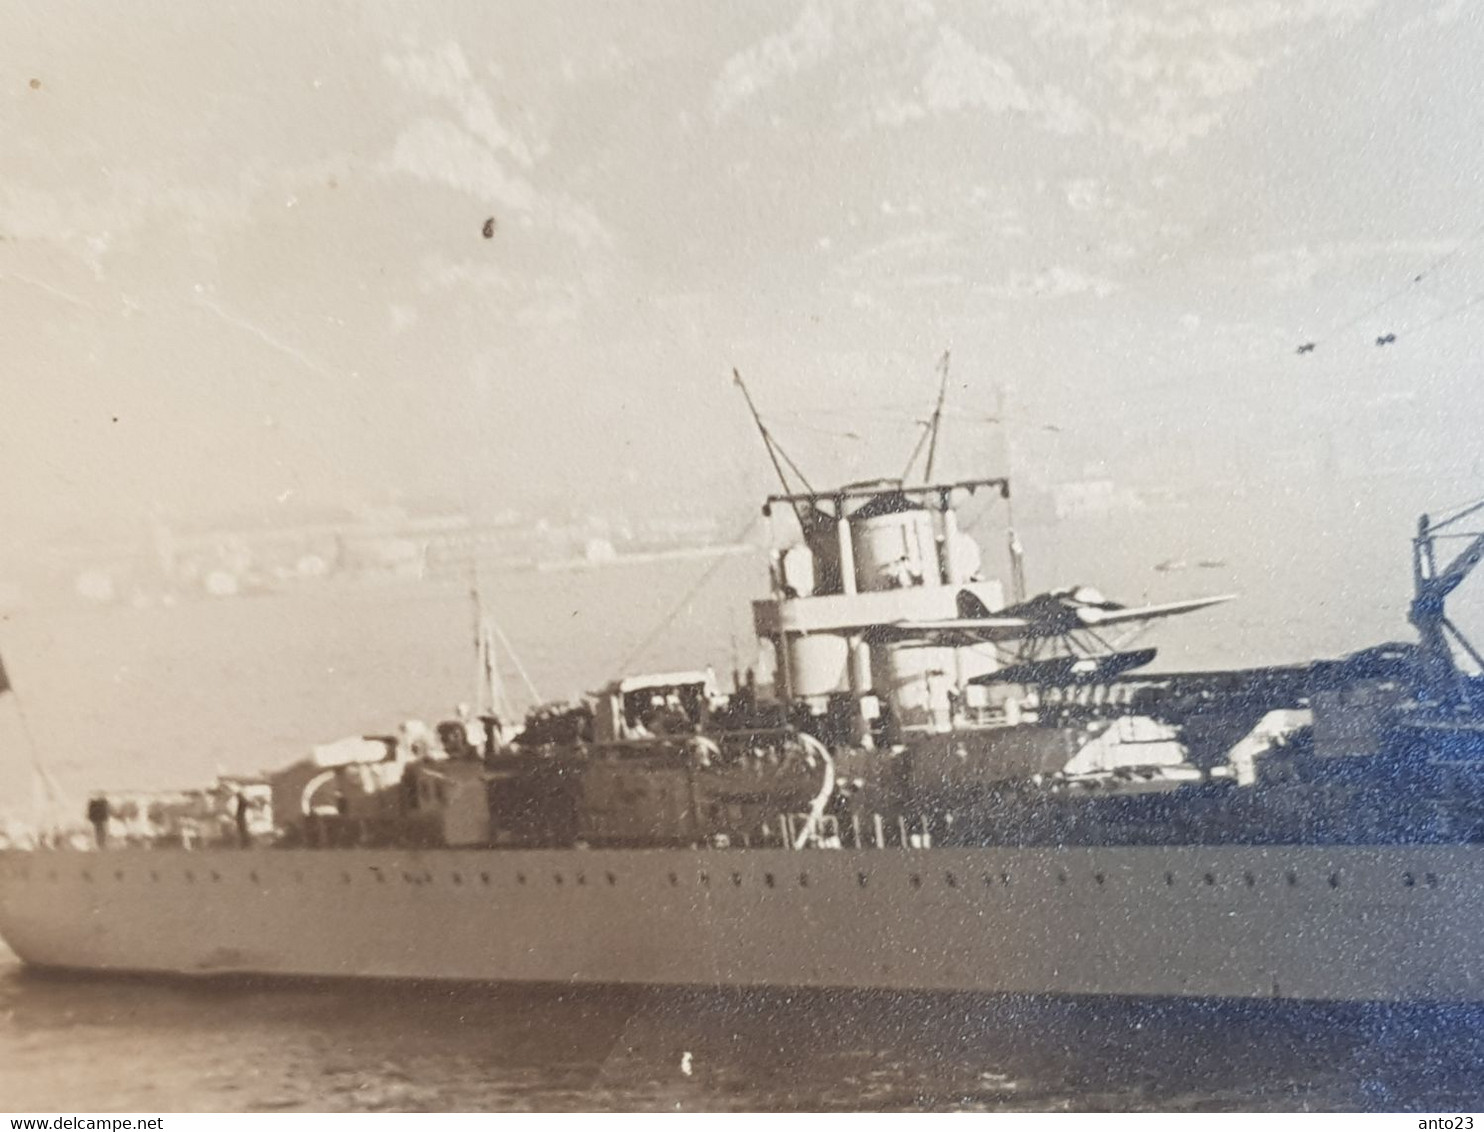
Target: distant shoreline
[{"x": 644, "y": 558}]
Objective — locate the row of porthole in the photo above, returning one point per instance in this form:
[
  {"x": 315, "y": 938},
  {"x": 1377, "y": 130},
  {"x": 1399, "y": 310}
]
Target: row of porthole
[
  {"x": 458, "y": 879},
  {"x": 770, "y": 880}
]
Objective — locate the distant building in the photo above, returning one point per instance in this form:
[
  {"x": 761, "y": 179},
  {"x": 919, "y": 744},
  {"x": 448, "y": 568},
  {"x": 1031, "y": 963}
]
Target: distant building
[{"x": 1090, "y": 498}]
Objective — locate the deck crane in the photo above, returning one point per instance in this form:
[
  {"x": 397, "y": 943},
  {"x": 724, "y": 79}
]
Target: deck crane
[{"x": 1443, "y": 683}]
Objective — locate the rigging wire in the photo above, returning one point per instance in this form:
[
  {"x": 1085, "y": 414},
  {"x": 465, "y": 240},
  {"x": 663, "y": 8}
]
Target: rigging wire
[
  {"x": 1447, "y": 315},
  {"x": 937, "y": 420},
  {"x": 739, "y": 539},
  {"x": 520, "y": 669},
  {"x": 1452, "y": 513},
  {"x": 924, "y": 429},
  {"x": 1406, "y": 287},
  {"x": 1286, "y": 352}
]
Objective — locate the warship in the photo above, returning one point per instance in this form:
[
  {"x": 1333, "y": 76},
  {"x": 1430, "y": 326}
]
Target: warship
[{"x": 942, "y": 786}]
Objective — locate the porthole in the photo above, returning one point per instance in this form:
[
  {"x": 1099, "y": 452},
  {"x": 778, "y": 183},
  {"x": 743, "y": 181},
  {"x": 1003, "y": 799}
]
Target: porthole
[
  {"x": 520, "y": 878},
  {"x": 1409, "y": 880},
  {"x": 1209, "y": 879},
  {"x": 1292, "y": 879},
  {"x": 457, "y": 878},
  {"x": 1249, "y": 880},
  {"x": 915, "y": 881},
  {"x": 861, "y": 879},
  {"x": 950, "y": 880},
  {"x": 611, "y": 879},
  {"x": 803, "y": 880},
  {"x": 1334, "y": 880},
  {"x": 736, "y": 880},
  {"x": 215, "y": 877},
  {"x": 674, "y": 880},
  {"x": 253, "y": 876},
  {"x": 705, "y": 880},
  {"x": 1061, "y": 878},
  {"x": 1101, "y": 878},
  {"x": 581, "y": 879},
  {"x": 558, "y": 878},
  {"x": 484, "y": 879},
  {"x": 768, "y": 879},
  {"x": 1170, "y": 880}
]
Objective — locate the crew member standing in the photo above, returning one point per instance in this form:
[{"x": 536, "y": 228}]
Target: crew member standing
[
  {"x": 244, "y": 839},
  {"x": 98, "y": 814}
]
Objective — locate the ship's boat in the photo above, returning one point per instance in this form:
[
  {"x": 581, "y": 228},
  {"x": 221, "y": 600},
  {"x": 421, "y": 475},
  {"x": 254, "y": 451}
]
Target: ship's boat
[{"x": 936, "y": 788}]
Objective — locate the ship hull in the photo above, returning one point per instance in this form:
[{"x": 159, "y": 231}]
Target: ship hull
[{"x": 1336, "y": 923}]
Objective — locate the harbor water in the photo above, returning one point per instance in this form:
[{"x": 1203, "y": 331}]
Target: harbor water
[{"x": 76, "y": 1045}]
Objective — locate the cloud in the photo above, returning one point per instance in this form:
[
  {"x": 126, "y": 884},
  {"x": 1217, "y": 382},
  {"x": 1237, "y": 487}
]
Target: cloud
[
  {"x": 1061, "y": 113},
  {"x": 809, "y": 42},
  {"x": 1157, "y": 79},
  {"x": 444, "y": 75},
  {"x": 1054, "y": 283},
  {"x": 90, "y": 224},
  {"x": 442, "y": 152},
  {"x": 478, "y": 153},
  {"x": 961, "y": 77},
  {"x": 1085, "y": 194},
  {"x": 898, "y": 254},
  {"x": 517, "y": 298},
  {"x": 1296, "y": 268},
  {"x": 401, "y": 317},
  {"x": 438, "y": 275},
  {"x": 1167, "y": 128},
  {"x": 957, "y": 77}
]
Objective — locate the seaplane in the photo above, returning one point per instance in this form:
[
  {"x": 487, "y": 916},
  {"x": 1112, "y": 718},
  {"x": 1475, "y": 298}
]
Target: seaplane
[{"x": 1059, "y": 637}]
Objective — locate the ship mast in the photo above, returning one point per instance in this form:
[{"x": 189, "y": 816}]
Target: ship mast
[
  {"x": 776, "y": 454},
  {"x": 929, "y": 434},
  {"x": 490, "y": 693},
  {"x": 1432, "y": 585},
  {"x": 937, "y": 421},
  {"x": 817, "y": 524}
]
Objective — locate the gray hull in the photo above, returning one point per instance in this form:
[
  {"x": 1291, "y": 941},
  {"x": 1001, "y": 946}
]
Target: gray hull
[{"x": 1341, "y": 923}]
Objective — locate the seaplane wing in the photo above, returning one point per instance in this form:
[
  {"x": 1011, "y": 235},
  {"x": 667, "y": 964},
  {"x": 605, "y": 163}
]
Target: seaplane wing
[
  {"x": 1044, "y": 617},
  {"x": 1099, "y": 615}
]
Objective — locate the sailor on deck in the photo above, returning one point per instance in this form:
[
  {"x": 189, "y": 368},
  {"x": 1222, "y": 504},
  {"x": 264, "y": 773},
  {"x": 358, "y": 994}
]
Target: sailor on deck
[
  {"x": 240, "y": 807},
  {"x": 474, "y": 732},
  {"x": 98, "y": 814}
]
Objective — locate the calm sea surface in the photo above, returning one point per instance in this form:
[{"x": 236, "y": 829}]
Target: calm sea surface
[
  {"x": 154, "y": 697},
  {"x": 83, "y": 1045}
]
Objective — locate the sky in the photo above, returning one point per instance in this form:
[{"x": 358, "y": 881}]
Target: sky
[{"x": 244, "y": 262}]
